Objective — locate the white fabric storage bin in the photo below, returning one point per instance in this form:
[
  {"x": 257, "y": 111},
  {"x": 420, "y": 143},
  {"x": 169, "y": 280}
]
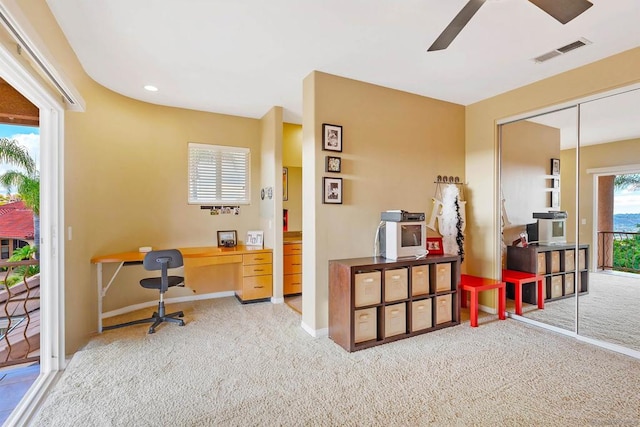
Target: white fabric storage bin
[
  {"x": 420, "y": 280},
  {"x": 395, "y": 319},
  {"x": 367, "y": 286},
  {"x": 366, "y": 324},
  {"x": 396, "y": 285},
  {"x": 421, "y": 315}
]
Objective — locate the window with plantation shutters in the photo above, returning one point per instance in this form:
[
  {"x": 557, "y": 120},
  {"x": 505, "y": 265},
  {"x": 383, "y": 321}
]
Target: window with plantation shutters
[{"x": 219, "y": 174}]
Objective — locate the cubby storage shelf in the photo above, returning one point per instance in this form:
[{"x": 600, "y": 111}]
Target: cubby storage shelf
[
  {"x": 557, "y": 263},
  {"x": 375, "y": 300}
]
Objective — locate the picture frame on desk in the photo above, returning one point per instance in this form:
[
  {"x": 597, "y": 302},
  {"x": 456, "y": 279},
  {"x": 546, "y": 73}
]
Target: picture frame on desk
[
  {"x": 434, "y": 246},
  {"x": 255, "y": 238},
  {"x": 227, "y": 238}
]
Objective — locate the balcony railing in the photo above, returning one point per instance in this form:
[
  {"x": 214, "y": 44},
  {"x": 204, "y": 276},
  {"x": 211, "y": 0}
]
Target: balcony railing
[
  {"x": 19, "y": 316},
  {"x": 619, "y": 250}
]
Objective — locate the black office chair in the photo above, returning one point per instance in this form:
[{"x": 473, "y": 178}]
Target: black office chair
[{"x": 160, "y": 260}]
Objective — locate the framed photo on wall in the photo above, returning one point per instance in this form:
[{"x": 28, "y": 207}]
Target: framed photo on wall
[
  {"x": 555, "y": 199},
  {"x": 333, "y": 164},
  {"x": 331, "y": 137},
  {"x": 434, "y": 246},
  {"x": 555, "y": 166},
  {"x": 332, "y": 190}
]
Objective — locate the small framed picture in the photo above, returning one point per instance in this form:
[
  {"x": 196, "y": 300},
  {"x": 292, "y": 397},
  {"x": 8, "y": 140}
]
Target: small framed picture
[
  {"x": 332, "y": 190},
  {"x": 255, "y": 238},
  {"x": 555, "y": 166},
  {"x": 227, "y": 238},
  {"x": 434, "y": 246},
  {"x": 331, "y": 137},
  {"x": 333, "y": 164},
  {"x": 556, "y": 183}
]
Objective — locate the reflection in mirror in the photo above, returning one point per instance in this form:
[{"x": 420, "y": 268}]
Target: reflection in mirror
[
  {"x": 538, "y": 157},
  {"x": 610, "y": 192}
]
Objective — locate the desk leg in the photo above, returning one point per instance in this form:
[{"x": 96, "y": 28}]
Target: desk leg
[
  {"x": 540, "y": 295},
  {"x": 473, "y": 310},
  {"x": 517, "y": 285},
  {"x": 502, "y": 301},
  {"x": 99, "y": 268}
]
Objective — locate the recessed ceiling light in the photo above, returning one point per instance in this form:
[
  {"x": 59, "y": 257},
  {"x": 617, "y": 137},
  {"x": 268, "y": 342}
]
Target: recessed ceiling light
[{"x": 151, "y": 88}]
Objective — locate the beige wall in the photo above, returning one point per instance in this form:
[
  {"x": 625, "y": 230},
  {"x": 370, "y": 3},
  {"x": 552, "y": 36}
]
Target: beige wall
[
  {"x": 621, "y": 153},
  {"x": 527, "y": 148},
  {"x": 481, "y": 145},
  {"x": 126, "y": 178},
  {"x": 394, "y": 145},
  {"x": 292, "y": 159}
]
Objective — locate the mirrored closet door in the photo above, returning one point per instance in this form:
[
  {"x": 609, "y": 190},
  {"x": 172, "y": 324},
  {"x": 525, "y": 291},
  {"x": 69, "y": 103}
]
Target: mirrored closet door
[{"x": 581, "y": 166}]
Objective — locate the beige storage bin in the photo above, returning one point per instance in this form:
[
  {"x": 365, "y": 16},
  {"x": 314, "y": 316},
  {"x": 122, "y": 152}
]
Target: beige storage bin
[
  {"x": 420, "y": 280},
  {"x": 365, "y": 324},
  {"x": 555, "y": 261},
  {"x": 395, "y": 319},
  {"x": 569, "y": 283},
  {"x": 443, "y": 309},
  {"x": 396, "y": 285},
  {"x": 443, "y": 277},
  {"x": 421, "y": 315},
  {"x": 556, "y": 286},
  {"x": 582, "y": 262},
  {"x": 569, "y": 260},
  {"x": 367, "y": 286},
  {"x": 542, "y": 263}
]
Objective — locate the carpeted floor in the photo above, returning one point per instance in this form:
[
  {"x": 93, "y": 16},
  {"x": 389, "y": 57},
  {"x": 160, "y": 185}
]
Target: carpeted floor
[
  {"x": 252, "y": 365},
  {"x": 609, "y": 312}
]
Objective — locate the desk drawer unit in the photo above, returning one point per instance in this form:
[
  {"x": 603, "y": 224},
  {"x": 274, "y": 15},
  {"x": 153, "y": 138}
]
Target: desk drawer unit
[
  {"x": 257, "y": 279},
  {"x": 292, "y": 268}
]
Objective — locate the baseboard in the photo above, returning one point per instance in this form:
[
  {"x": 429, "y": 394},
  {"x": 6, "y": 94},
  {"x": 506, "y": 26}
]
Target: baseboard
[
  {"x": 174, "y": 300},
  {"x": 316, "y": 333},
  {"x": 279, "y": 300},
  {"x": 487, "y": 309}
]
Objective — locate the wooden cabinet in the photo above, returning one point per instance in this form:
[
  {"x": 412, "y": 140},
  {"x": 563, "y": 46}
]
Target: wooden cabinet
[
  {"x": 292, "y": 260},
  {"x": 257, "y": 277},
  {"x": 555, "y": 262},
  {"x": 373, "y": 301}
]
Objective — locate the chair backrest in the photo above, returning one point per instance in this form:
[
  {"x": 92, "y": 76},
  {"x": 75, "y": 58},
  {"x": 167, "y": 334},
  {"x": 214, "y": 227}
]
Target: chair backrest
[{"x": 154, "y": 260}]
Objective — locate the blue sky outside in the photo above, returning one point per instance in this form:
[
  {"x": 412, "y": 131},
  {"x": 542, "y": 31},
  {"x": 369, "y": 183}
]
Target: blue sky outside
[{"x": 28, "y": 137}]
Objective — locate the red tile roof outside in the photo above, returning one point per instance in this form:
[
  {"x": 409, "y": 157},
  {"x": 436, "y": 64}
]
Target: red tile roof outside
[{"x": 16, "y": 221}]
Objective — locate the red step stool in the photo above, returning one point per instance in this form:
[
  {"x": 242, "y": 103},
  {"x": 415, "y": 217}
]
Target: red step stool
[{"x": 475, "y": 285}]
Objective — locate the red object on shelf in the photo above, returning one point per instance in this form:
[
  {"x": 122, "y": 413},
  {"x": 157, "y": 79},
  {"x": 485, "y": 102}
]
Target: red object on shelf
[
  {"x": 475, "y": 285},
  {"x": 519, "y": 278}
]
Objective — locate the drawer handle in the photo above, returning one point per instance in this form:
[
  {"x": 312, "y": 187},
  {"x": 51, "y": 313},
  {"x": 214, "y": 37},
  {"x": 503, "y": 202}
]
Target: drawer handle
[
  {"x": 258, "y": 259},
  {"x": 258, "y": 287},
  {"x": 258, "y": 269},
  {"x": 421, "y": 307},
  {"x": 395, "y": 276},
  {"x": 295, "y": 264},
  {"x": 419, "y": 273},
  {"x": 395, "y": 311},
  {"x": 364, "y": 316},
  {"x": 368, "y": 280}
]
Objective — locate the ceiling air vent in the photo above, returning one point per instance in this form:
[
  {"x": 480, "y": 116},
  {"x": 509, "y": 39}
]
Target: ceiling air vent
[{"x": 562, "y": 50}]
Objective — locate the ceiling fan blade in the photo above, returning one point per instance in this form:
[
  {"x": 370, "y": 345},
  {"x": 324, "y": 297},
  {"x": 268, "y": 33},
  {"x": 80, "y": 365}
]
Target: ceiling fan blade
[
  {"x": 458, "y": 23},
  {"x": 563, "y": 10}
]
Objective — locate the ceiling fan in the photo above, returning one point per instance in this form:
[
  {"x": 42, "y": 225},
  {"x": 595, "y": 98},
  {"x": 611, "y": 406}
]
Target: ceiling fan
[{"x": 562, "y": 10}]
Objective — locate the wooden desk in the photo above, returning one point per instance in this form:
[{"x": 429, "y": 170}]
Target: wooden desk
[{"x": 256, "y": 265}]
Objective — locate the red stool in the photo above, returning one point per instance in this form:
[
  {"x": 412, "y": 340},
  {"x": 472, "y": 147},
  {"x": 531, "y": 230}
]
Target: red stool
[
  {"x": 519, "y": 278},
  {"x": 475, "y": 285}
]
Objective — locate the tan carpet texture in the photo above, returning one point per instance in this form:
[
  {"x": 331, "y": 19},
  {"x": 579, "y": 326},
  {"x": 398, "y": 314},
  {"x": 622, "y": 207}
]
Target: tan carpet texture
[{"x": 252, "y": 365}]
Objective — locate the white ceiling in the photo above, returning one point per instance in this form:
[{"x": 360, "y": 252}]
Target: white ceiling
[{"x": 242, "y": 57}]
